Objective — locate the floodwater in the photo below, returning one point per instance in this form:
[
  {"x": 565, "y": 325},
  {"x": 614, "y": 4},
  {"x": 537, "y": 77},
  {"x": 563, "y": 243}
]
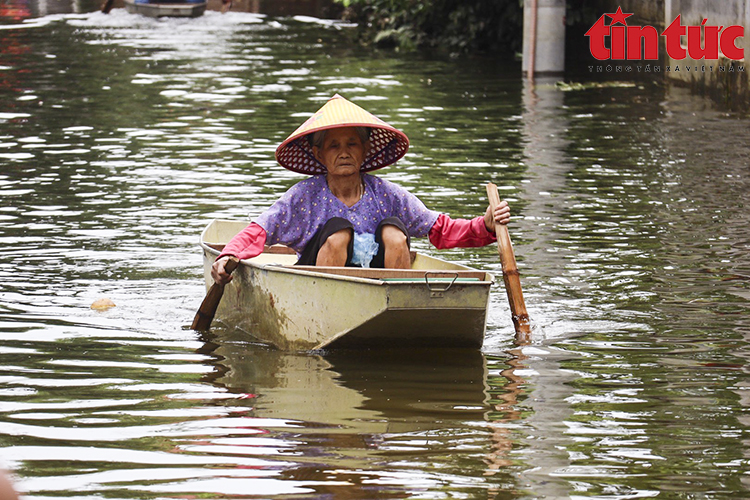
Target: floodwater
[{"x": 122, "y": 137}]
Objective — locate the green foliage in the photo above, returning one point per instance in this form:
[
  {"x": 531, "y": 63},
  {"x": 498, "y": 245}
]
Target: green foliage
[{"x": 455, "y": 25}]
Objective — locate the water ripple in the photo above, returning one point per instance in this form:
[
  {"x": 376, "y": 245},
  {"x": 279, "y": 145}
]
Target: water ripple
[{"x": 631, "y": 238}]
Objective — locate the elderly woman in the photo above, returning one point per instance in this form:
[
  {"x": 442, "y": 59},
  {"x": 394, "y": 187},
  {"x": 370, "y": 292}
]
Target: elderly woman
[{"x": 342, "y": 216}]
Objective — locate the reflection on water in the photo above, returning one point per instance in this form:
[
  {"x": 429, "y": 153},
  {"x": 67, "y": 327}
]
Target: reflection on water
[
  {"x": 369, "y": 415},
  {"x": 121, "y": 137}
]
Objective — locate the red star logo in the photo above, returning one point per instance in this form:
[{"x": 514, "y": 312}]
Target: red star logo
[{"x": 619, "y": 17}]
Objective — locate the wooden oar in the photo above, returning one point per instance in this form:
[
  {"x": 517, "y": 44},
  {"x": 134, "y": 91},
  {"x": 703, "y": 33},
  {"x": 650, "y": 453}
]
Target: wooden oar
[
  {"x": 510, "y": 273},
  {"x": 207, "y": 310}
]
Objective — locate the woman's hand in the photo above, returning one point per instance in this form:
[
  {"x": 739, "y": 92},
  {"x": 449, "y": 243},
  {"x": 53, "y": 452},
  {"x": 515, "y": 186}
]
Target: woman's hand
[
  {"x": 218, "y": 273},
  {"x": 500, "y": 216}
]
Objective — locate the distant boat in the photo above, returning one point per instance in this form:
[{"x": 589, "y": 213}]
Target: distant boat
[
  {"x": 433, "y": 304},
  {"x": 166, "y": 9}
]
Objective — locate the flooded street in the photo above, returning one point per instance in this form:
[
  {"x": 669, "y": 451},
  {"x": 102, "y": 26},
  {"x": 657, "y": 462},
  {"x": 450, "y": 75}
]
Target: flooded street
[{"x": 122, "y": 137}]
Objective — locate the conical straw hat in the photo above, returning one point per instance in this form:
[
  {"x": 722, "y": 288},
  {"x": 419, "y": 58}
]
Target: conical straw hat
[{"x": 387, "y": 144}]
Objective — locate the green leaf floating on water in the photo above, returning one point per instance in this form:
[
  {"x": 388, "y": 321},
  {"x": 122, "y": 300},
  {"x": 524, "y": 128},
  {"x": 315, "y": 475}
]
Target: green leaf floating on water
[{"x": 571, "y": 86}]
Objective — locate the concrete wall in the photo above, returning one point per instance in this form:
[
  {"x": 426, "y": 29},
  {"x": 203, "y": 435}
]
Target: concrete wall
[
  {"x": 730, "y": 86},
  {"x": 645, "y": 11},
  {"x": 549, "y": 34}
]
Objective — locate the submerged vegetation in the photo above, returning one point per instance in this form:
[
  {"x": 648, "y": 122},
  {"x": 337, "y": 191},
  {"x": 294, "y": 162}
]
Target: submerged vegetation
[
  {"x": 453, "y": 25},
  {"x": 456, "y": 26}
]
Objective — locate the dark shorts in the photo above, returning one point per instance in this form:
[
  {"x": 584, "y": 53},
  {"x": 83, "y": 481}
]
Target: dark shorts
[{"x": 336, "y": 224}]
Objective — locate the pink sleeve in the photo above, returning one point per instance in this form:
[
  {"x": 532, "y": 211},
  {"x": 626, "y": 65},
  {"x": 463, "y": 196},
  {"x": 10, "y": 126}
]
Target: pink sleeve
[
  {"x": 246, "y": 244},
  {"x": 449, "y": 233}
]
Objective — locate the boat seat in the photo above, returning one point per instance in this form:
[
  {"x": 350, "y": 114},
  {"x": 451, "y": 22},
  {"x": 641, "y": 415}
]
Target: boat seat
[
  {"x": 435, "y": 280},
  {"x": 387, "y": 274}
]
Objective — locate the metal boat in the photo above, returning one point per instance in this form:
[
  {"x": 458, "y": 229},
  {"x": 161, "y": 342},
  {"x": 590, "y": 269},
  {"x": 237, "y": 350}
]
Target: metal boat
[
  {"x": 166, "y": 9},
  {"x": 434, "y": 304}
]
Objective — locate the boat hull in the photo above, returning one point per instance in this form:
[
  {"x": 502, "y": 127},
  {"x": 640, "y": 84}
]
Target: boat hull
[
  {"x": 166, "y": 9},
  {"x": 435, "y": 304}
]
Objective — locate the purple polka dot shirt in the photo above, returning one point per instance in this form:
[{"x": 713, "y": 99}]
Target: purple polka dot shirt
[{"x": 295, "y": 217}]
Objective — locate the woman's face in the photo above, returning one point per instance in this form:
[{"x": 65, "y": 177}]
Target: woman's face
[{"x": 342, "y": 151}]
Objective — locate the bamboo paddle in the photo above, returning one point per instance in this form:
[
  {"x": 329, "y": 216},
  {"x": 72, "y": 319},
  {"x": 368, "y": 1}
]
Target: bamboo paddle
[
  {"x": 207, "y": 310},
  {"x": 510, "y": 272}
]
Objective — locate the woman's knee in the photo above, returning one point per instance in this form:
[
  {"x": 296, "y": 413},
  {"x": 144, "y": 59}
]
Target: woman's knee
[
  {"x": 392, "y": 236},
  {"x": 340, "y": 240}
]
